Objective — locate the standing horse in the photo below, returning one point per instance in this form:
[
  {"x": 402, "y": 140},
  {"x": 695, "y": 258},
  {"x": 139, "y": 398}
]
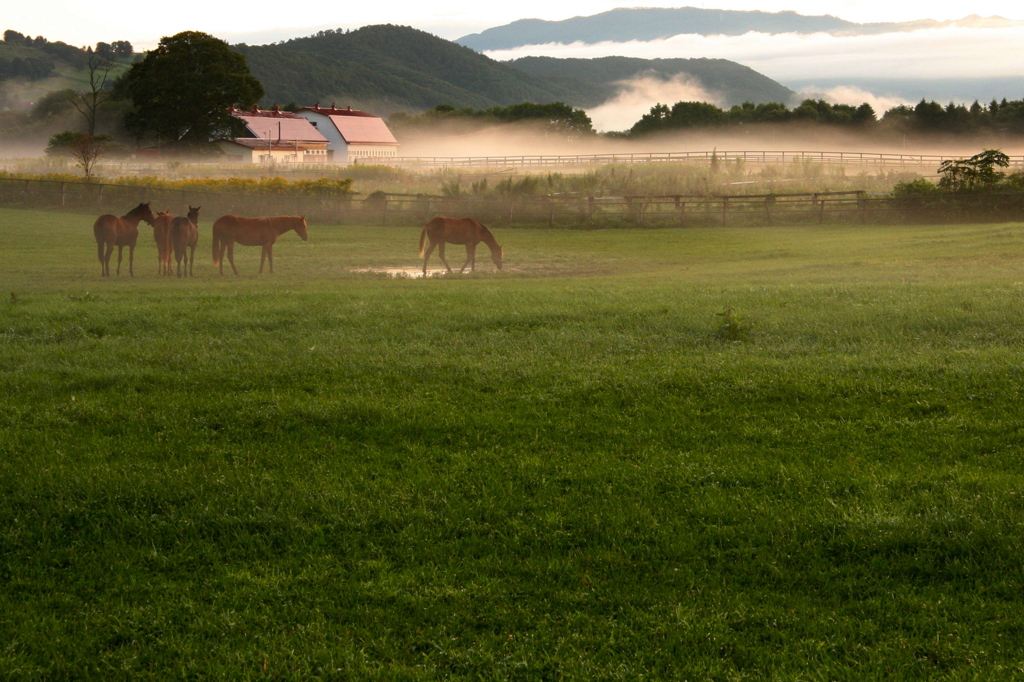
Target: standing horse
[
  {"x": 185, "y": 234},
  {"x": 458, "y": 231},
  {"x": 162, "y": 237},
  {"x": 229, "y": 229},
  {"x": 111, "y": 231}
]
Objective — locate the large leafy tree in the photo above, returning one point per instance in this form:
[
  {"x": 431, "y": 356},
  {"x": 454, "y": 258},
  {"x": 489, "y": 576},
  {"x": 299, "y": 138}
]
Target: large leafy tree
[{"x": 183, "y": 89}]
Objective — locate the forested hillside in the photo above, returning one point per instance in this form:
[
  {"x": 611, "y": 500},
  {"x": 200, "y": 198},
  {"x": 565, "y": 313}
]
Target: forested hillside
[
  {"x": 388, "y": 68},
  {"x": 394, "y": 68}
]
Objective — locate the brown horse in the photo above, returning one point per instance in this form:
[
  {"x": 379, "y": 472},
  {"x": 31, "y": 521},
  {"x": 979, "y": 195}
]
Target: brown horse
[
  {"x": 229, "y": 229},
  {"x": 162, "y": 237},
  {"x": 185, "y": 235},
  {"x": 111, "y": 231},
  {"x": 458, "y": 231}
]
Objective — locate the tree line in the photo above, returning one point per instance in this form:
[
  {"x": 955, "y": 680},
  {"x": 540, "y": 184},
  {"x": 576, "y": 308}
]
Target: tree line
[
  {"x": 556, "y": 118},
  {"x": 46, "y": 53},
  {"x": 926, "y": 117}
]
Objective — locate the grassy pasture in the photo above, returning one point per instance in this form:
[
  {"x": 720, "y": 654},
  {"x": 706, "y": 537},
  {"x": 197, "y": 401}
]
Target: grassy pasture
[{"x": 559, "y": 471}]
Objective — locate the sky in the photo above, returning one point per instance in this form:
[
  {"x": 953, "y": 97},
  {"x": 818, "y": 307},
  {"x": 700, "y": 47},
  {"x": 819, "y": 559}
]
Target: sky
[{"x": 81, "y": 23}]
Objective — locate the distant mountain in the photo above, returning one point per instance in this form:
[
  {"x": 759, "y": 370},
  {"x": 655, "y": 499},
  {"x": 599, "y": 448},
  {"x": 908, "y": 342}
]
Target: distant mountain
[
  {"x": 387, "y": 68},
  {"x": 734, "y": 82},
  {"x": 623, "y": 25}
]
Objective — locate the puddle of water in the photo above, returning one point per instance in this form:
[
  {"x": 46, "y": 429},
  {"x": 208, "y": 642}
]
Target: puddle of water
[{"x": 404, "y": 273}]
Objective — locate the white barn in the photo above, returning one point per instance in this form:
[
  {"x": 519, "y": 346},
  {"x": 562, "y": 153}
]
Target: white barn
[
  {"x": 351, "y": 135},
  {"x": 275, "y": 136}
]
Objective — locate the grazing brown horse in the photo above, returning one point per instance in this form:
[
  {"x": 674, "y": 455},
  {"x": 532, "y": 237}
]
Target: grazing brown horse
[
  {"x": 458, "y": 231},
  {"x": 111, "y": 231},
  {"x": 162, "y": 237},
  {"x": 185, "y": 235},
  {"x": 229, "y": 229}
]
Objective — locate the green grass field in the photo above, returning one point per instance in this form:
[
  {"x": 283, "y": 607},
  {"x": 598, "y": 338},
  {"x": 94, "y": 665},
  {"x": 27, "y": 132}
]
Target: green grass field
[{"x": 566, "y": 470}]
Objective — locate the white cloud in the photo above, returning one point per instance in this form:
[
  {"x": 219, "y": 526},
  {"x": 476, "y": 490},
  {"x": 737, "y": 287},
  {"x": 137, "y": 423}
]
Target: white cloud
[
  {"x": 948, "y": 52},
  {"x": 637, "y": 96}
]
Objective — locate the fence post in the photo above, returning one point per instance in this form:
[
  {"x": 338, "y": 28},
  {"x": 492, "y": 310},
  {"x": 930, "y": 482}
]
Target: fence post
[
  {"x": 821, "y": 212},
  {"x": 768, "y": 209},
  {"x": 510, "y": 211},
  {"x": 99, "y": 197},
  {"x": 63, "y": 192},
  {"x": 384, "y": 213},
  {"x": 24, "y": 193},
  {"x": 725, "y": 211},
  {"x": 551, "y": 213},
  {"x": 682, "y": 214}
]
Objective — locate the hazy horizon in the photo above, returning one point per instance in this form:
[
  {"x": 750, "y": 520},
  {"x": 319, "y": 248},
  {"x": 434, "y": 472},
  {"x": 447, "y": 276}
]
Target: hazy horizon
[{"x": 78, "y": 23}]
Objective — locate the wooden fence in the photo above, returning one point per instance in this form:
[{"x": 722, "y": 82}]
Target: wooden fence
[
  {"x": 565, "y": 210},
  {"x": 864, "y": 159}
]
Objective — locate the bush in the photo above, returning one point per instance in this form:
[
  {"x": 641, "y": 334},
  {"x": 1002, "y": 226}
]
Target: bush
[{"x": 915, "y": 188}]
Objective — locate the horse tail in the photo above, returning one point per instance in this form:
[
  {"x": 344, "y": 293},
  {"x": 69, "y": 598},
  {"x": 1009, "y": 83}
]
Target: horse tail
[
  {"x": 423, "y": 241},
  {"x": 216, "y": 248}
]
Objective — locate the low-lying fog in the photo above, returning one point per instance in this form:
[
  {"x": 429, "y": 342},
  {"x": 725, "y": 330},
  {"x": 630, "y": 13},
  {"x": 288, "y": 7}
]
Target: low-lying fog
[{"x": 524, "y": 140}]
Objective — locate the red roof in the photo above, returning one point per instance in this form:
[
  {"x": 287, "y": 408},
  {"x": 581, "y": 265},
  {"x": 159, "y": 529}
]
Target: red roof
[
  {"x": 275, "y": 124},
  {"x": 363, "y": 130},
  {"x": 286, "y": 145},
  {"x": 333, "y": 111}
]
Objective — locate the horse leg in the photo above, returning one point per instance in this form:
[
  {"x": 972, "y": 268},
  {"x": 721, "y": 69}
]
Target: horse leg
[
  {"x": 106, "y": 259},
  {"x": 440, "y": 253},
  {"x": 469, "y": 258},
  {"x": 270, "y": 257},
  {"x": 426, "y": 257},
  {"x": 263, "y": 257},
  {"x": 191, "y": 260},
  {"x": 120, "y": 254},
  {"x": 131, "y": 259},
  {"x": 99, "y": 254},
  {"x": 231, "y": 257}
]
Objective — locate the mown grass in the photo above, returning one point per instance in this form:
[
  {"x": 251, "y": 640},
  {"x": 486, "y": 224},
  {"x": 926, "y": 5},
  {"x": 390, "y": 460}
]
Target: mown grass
[{"x": 559, "y": 471}]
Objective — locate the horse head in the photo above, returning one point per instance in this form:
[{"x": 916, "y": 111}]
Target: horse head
[
  {"x": 497, "y": 255},
  {"x": 193, "y": 214},
  {"x": 143, "y": 212},
  {"x": 300, "y": 228}
]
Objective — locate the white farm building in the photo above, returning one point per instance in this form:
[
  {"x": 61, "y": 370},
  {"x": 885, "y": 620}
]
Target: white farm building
[
  {"x": 352, "y": 135},
  {"x": 275, "y": 136}
]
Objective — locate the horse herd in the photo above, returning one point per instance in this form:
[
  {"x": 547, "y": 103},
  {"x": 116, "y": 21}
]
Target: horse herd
[{"x": 179, "y": 236}]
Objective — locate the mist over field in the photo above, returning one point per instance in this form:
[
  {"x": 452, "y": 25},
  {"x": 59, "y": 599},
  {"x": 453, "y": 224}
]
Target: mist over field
[{"x": 518, "y": 140}]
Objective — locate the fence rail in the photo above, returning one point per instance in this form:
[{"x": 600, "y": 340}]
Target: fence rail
[
  {"x": 567, "y": 210},
  {"x": 872, "y": 159}
]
